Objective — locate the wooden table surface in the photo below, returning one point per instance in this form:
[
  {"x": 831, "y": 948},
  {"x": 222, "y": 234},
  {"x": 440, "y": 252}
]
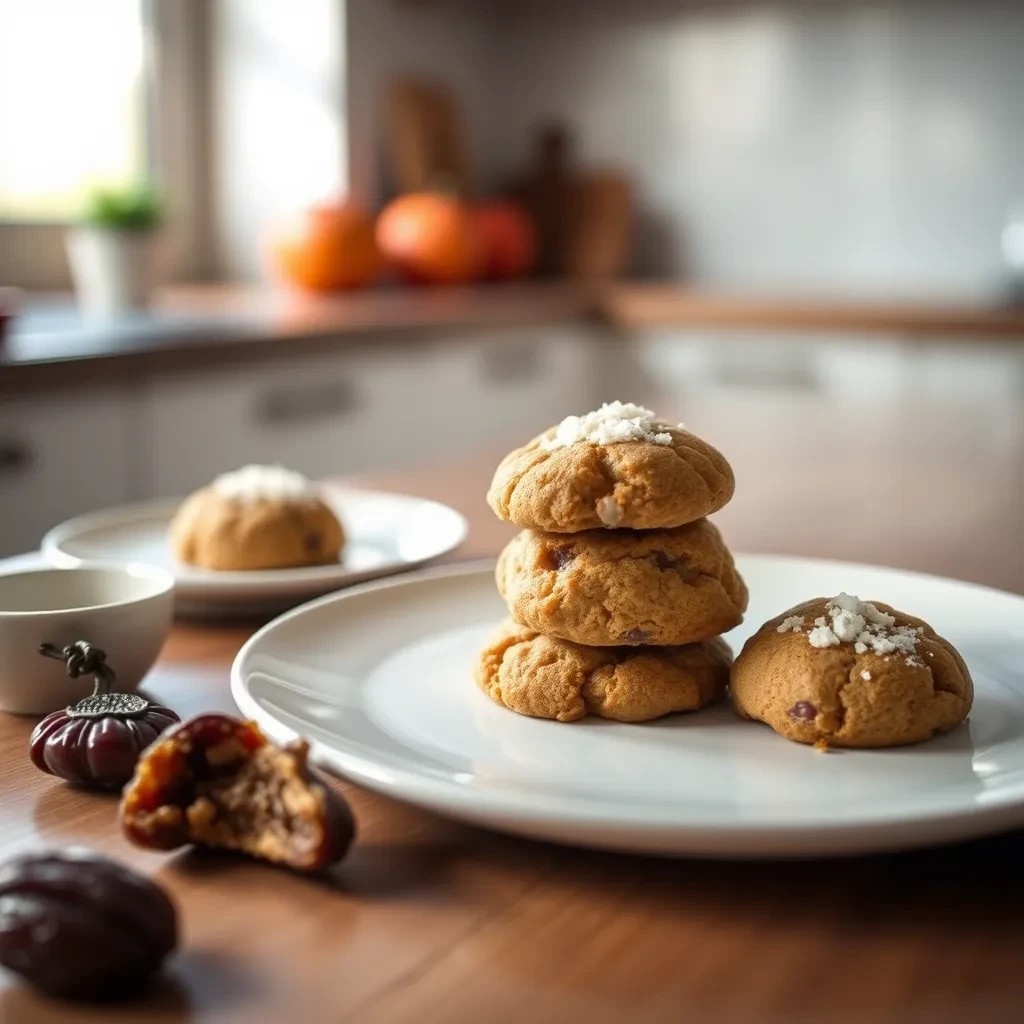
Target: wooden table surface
[{"x": 429, "y": 920}]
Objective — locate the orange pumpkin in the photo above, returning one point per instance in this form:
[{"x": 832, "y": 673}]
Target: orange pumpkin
[
  {"x": 330, "y": 247},
  {"x": 509, "y": 240},
  {"x": 429, "y": 238}
]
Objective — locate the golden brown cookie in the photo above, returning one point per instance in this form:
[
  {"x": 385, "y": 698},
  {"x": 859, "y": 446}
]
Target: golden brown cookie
[
  {"x": 544, "y": 677},
  {"x": 238, "y": 524},
  {"x": 639, "y": 484},
  {"x": 607, "y": 588},
  {"x": 846, "y": 673}
]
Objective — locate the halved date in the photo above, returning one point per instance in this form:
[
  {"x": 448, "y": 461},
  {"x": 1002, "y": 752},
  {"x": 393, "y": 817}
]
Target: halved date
[{"x": 218, "y": 781}]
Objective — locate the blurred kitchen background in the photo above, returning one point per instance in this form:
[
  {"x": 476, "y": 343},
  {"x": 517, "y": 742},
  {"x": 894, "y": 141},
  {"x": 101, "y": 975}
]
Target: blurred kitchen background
[{"x": 797, "y": 225}]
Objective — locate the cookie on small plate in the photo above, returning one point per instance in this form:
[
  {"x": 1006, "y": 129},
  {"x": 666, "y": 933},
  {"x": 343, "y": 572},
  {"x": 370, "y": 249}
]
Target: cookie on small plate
[
  {"x": 544, "y": 677},
  {"x": 259, "y": 517},
  {"x": 617, "y": 467},
  {"x": 849, "y": 673},
  {"x": 608, "y": 588}
]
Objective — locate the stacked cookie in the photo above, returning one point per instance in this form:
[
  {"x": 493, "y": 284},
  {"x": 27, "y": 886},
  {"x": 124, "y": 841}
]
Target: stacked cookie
[{"x": 618, "y": 586}]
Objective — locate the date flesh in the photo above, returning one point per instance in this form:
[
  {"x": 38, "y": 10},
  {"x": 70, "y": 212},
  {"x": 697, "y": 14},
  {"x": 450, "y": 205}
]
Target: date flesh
[
  {"x": 217, "y": 781},
  {"x": 803, "y": 711}
]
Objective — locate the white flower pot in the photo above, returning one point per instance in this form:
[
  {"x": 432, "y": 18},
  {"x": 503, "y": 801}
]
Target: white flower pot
[{"x": 114, "y": 269}]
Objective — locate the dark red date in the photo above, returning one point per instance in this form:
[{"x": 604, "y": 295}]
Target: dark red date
[
  {"x": 803, "y": 711},
  {"x": 559, "y": 557},
  {"x": 81, "y": 926},
  {"x": 96, "y": 751}
]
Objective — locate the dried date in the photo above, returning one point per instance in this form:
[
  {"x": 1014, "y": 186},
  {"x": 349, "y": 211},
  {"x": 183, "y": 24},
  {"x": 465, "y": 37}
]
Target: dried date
[
  {"x": 96, "y": 741},
  {"x": 78, "y": 925},
  {"x": 217, "y": 781},
  {"x": 98, "y": 751}
]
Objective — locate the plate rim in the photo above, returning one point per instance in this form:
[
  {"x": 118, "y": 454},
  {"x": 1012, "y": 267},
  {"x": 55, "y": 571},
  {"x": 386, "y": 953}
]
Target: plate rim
[
  {"x": 774, "y": 836},
  {"x": 225, "y": 586}
]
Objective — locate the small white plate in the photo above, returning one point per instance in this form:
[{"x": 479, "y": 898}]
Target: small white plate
[
  {"x": 387, "y": 533},
  {"x": 380, "y": 679}
]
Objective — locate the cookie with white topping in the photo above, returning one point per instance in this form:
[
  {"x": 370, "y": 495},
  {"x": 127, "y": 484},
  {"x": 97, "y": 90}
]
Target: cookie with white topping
[
  {"x": 617, "y": 467},
  {"x": 257, "y": 517},
  {"x": 849, "y": 673}
]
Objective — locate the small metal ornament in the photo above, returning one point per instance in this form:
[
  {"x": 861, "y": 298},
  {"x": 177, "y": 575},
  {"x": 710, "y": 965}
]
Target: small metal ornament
[{"x": 81, "y": 658}]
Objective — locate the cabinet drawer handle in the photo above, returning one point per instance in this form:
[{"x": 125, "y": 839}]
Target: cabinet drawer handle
[
  {"x": 15, "y": 456},
  {"x": 307, "y": 403},
  {"x": 510, "y": 364}
]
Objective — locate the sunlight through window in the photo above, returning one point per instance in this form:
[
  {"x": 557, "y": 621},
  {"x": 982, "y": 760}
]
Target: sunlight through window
[{"x": 72, "y": 103}]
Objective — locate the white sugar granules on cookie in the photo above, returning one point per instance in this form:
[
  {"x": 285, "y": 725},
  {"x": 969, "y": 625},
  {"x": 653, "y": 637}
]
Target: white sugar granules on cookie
[
  {"x": 791, "y": 624},
  {"x": 850, "y": 620},
  {"x": 264, "y": 483},
  {"x": 822, "y": 636},
  {"x": 613, "y": 423}
]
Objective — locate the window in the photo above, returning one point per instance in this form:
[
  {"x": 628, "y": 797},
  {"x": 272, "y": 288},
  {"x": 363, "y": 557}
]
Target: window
[{"x": 73, "y": 103}]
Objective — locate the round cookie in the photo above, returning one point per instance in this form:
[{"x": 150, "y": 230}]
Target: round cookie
[
  {"x": 661, "y": 477},
  {"x": 261, "y": 517},
  {"x": 544, "y": 677},
  {"x": 609, "y": 588},
  {"x": 845, "y": 673}
]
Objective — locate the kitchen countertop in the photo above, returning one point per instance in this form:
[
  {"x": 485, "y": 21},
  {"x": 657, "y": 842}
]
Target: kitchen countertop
[
  {"x": 203, "y": 325},
  {"x": 638, "y": 305}
]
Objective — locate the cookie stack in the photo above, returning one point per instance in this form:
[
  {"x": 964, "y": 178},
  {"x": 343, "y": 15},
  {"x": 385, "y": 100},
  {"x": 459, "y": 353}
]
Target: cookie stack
[{"x": 618, "y": 586}]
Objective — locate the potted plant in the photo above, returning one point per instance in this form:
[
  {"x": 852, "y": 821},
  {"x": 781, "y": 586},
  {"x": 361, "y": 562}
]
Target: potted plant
[{"x": 112, "y": 252}]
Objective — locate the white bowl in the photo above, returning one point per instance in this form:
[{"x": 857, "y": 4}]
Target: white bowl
[{"x": 123, "y": 609}]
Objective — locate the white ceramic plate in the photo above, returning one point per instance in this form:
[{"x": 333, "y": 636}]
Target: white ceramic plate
[
  {"x": 387, "y": 533},
  {"x": 380, "y": 679}
]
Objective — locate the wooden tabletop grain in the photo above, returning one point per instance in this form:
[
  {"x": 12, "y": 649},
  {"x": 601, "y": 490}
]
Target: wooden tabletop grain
[{"x": 429, "y": 920}]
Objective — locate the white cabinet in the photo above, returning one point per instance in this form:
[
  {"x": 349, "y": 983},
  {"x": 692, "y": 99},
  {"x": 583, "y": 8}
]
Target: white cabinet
[
  {"x": 367, "y": 409},
  {"x": 432, "y": 397},
  {"x": 320, "y": 415},
  {"x": 870, "y": 369},
  {"x": 376, "y": 407},
  {"x": 499, "y": 388},
  {"x": 60, "y": 456},
  {"x": 526, "y": 380}
]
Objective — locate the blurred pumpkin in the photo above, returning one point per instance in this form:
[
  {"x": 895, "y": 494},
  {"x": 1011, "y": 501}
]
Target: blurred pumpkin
[
  {"x": 327, "y": 248},
  {"x": 508, "y": 238},
  {"x": 430, "y": 238}
]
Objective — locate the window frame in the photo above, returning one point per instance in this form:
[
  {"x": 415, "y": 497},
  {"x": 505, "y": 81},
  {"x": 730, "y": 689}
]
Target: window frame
[{"x": 32, "y": 252}]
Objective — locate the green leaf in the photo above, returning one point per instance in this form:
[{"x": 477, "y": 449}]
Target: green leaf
[{"x": 136, "y": 207}]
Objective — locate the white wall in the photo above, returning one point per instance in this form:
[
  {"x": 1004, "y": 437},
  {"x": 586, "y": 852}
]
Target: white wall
[
  {"x": 863, "y": 146},
  {"x": 453, "y": 44}
]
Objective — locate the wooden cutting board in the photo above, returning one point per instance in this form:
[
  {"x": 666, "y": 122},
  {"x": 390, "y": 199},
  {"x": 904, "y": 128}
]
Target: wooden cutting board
[
  {"x": 584, "y": 218},
  {"x": 600, "y": 232},
  {"x": 426, "y": 137}
]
